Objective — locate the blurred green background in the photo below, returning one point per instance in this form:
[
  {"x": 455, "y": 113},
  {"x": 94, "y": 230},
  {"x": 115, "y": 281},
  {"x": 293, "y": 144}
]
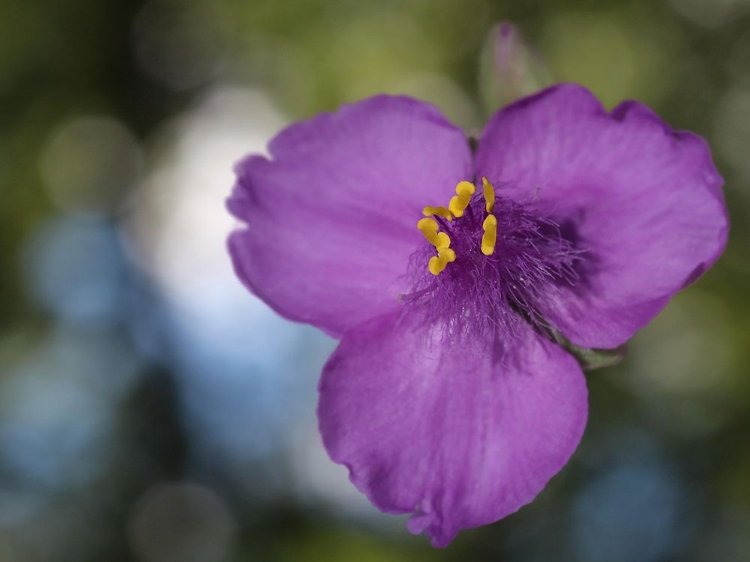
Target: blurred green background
[{"x": 152, "y": 410}]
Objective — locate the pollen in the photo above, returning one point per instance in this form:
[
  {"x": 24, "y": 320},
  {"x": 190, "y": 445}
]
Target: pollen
[
  {"x": 489, "y": 195},
  {"x": 429, "y": 227},
  {"x": 437, "y": 263},
  {"x": 459, "y": 202},
  {"x": 489, "y": 238},
  {"x": 442, "y": 227},
  {"x": 437, "y": 212}
]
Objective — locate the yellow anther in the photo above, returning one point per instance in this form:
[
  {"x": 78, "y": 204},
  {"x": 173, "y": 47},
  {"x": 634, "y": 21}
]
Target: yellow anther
[
  {"x": 429, "y": 228},
  {"x": 443, "y": 241},
  {"x": 437, "y": 263},
  {"x": 459, "y": 202},
  {"x": 489, "y": 195},
  {"x": 489, "y": 238},
  {"x": 436, "y": 266},
  {"x": 438, "y": 212}
]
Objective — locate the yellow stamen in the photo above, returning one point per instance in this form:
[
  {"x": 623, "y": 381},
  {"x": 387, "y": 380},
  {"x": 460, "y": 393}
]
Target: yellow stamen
[
  {"x": 489, "y": 195},
  {"x": 437, "y": 211},
  {"x": 489, "y": 238},
  {"x": 429, "y": 228},
  {"x": 459, "y": 202},
  {"x": 437, "y": 263}
]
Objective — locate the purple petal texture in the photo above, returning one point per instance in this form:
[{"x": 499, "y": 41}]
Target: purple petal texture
[
  {"x": 460, "y": 433},
  {"x": 643, "y": 200},
  {"x": 331, "y": 214}
]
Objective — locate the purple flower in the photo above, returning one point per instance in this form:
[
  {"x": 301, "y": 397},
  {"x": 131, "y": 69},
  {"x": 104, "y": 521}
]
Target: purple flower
[{"x": 447, "y": 397}]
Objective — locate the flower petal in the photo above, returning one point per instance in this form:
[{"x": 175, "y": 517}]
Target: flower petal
[
  {"x": 331, "y": 216},
  {"x": 644, "y": 201},
  {"x": 459, "y": 433}
]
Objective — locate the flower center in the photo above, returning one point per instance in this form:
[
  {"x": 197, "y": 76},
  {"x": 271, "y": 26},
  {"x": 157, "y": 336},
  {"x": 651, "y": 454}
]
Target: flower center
[
  {"x": 490, "y": 261},
  {"x": 456, "y": 208}
]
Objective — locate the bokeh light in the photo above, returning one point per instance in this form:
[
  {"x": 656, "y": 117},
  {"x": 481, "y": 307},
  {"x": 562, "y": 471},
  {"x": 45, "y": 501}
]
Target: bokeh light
[
  {"x": 89, "y": 163},
  {"x": 181, "y": 44},
  {"x": 181, "y": 522}
]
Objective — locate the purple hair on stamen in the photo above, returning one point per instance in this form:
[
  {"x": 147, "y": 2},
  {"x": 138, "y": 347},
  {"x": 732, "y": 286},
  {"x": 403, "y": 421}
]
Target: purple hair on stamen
[{"x": 479, "y": 294}]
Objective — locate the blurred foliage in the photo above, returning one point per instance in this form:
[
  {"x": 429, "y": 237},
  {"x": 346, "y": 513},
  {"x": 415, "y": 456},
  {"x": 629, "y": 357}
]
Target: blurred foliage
[{"x": 110, "y": 390}]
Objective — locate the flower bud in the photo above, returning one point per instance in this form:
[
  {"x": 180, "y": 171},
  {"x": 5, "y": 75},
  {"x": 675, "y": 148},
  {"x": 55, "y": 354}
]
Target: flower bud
[{"x": 509, "y": 68}]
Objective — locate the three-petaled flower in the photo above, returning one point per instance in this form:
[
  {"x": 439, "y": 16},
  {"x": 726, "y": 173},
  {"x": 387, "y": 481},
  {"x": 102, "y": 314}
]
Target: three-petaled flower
[{"x": 444, "y": 268}]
